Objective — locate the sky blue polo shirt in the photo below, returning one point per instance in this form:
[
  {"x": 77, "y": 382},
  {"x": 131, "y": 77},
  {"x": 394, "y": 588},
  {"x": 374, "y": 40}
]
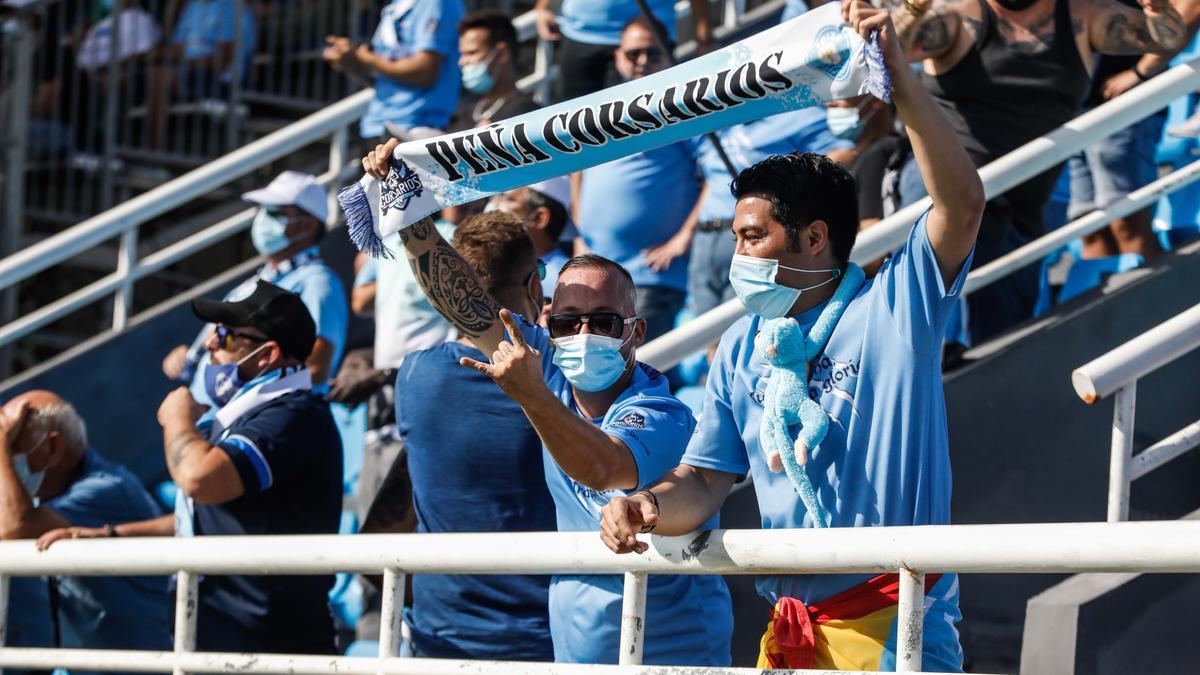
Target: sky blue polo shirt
[
  {"x": 204, "y": 24},
  {"x": 599, "y": 22},
  {"x": 689, "y": 618},
  {"x": 408, "y": 27},
  {"x": 639, "y": 202},
  {"x": 750, "y": 143},
  {"x": 886, "y": 458}
]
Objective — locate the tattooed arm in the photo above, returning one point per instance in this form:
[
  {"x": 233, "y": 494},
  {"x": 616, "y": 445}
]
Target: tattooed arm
[
  {"x": 931, "y": 32},
  {"x": 1116, "y": 29},
  {"x": 201, "y": 470},
  {"x": 451, "y": 284}
]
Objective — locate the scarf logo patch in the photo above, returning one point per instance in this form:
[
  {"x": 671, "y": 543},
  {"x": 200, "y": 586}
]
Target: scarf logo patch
[
  {"x": 400, "y": 187},
  {"x": 830, "y": 53}
]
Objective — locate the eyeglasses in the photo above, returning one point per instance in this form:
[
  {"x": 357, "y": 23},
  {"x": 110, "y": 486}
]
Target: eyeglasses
[
  {"x": 226, "y": 336},
  {"x": 652, "y": 54},
  {"x": 608, "y": 324}
]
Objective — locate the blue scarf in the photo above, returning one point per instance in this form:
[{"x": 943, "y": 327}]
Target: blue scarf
[{"x": 808, "y": 61}]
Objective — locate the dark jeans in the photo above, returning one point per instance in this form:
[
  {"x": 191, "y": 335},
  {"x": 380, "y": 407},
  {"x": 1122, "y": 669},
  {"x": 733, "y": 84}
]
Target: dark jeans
[
  {"x": 583, "y": 68},
  {"x": 1002, "y": 305},
  {"x": 708, "y": 269},
  {"x": 659, "y": 305}
]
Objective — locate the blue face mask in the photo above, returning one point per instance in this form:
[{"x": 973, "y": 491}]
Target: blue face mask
[
  {"x": 753, "y": 280},
  {"x": 590, "y": 362},
  {"x": 222, "y": 382},
  {"x": 269, "y": 232},
  {"x": 847, "y": 123},
  {"x": 476, "y": 78}
]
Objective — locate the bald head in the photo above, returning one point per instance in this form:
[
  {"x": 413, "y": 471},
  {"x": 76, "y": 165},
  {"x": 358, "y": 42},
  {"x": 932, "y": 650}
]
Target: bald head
[{"x": 591, "y": 283}]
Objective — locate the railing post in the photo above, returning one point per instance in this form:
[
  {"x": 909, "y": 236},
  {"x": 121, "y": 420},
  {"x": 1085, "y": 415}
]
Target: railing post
[
  {"x": 633, "y": 619},
  {"x": 126, "y": 261},
  {"x": 187, "y": 591},
  {"x": 911, "y": 621},
  {"x": 4, "y": 581},
  {"x": 16, "y": 50},
  {"x": 391, "y": 614},
  {"x": 734, "y": 9},
  {"x": 339, "y": 148},
  {"x": 1124, "y": 407}
]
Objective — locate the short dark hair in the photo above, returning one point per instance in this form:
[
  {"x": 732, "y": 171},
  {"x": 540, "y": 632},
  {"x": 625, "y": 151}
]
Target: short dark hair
[
  {"x": 803, "y": 187},
  {"x": 596, "y": 262},
  {"x": 496, "y": 245},
  {"x": 653, "y": 25},
  {"x": 498, "y": 25},
  {"x": 558, "y": 213}
]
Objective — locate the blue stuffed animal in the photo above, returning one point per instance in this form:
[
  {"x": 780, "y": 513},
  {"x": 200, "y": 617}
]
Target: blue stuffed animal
[{"x": 786, "y": 405}]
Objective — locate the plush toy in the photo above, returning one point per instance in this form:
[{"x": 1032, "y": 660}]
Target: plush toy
[{"x": 786, "y": 404}]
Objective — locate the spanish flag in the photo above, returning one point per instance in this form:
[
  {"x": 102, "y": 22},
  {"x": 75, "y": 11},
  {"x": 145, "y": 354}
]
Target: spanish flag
[{"x": 848, "y": 631}]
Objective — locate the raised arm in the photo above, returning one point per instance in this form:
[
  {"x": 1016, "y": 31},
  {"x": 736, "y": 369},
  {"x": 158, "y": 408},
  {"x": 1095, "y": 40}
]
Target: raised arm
[
  {"x": 19, "y": 518},
  {"x": 449, "y": 281},
  {"x": 950, "y": 176},
  {"x": 1114, "y": 28}
]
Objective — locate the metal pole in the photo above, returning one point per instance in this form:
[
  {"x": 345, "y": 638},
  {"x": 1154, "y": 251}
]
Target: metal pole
[
  {"x": 660, "y": 38},
  {"x": 543, "y": 56},
  {"x": 237, "y": 72},
  {"x": 107, "y": 174},
  {"x": 911, "y": 621},
  {"x": 390, "y": 614},
  {"x": 187, "y": 592},
  {"x": 339, "y": 147},
  {"x": 1138, "y": 357},
  {"x": 1124, "y": 407},
  {"x": 633, "y": 619},
  {"x": 4, "y": 585},
  {"x": 126, "y": 261},
  {"x": 17, "y": 49}
]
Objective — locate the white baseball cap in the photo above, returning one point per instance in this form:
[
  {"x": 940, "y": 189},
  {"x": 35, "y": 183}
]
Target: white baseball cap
[
  {"x": 558, "y": 189},
  {"x": 292, "y": 188}
]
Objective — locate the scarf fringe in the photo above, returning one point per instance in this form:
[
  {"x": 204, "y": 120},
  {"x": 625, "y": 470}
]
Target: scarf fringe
[
  {"x": 879, "y": 80},
  {"x": 360, "y": 222}
]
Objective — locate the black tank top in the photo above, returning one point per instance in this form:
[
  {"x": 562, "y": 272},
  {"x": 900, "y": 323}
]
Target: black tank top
[{"x": 997, "y": 100}]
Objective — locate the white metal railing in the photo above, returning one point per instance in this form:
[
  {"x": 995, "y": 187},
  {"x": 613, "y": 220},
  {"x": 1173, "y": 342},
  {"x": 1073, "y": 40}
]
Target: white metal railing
[
  {"x": 1172, "y": 546},
  {"x": 1118, "y": 372},
  {"x": 331, "y": 123}
]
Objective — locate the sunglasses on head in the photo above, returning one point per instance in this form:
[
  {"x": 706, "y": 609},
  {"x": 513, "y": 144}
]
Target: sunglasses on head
[
  {"x": 652, "y": 54},
  {"x": 226, "y": 337},
  {"x": 608, "y": 324}
]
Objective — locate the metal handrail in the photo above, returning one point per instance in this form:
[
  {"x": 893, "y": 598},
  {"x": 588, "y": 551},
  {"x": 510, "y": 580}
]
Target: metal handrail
[
  {"x": 1139, "y": 357},
  {"x": 1118, "y": 372},
  {"x": 1170, "y": 546}
]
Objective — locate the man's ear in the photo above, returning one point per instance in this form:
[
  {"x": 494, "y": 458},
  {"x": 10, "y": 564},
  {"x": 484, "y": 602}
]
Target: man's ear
[
  {"x": 541, "y": 218},
  {"x": 639, "y": 332},
  {"x": 503, "y": 53},
  {"x": 816, "y": 236}
]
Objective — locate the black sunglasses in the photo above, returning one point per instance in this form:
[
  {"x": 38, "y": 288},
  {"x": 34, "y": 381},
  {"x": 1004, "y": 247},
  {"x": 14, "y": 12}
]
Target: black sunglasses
[
  {"x": 226, "y": 335},
  {"x": 608, "y": 324},
  {"x": 652, "y": 54}
]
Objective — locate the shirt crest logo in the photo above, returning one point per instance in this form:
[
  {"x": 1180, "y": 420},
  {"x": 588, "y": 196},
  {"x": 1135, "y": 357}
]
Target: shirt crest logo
[
  {"x": 631, "y": 420},
  {"x": 400, "y": 187},
  {"x": 830, "y": 53}
]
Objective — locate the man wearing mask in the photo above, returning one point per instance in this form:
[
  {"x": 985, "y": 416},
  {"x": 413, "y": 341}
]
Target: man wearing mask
[
  {"x": 267, "y": 460},
  {"x": 489, "y": 50},
  {"x": 873, "y": 358},
  {"x": 287, "y": 228},
  {"x": 609, "y": 424},
  {"x": 49, "y": 479},
  {"x": 711, "y": 246},
  {"x": 658, "y": 190}
]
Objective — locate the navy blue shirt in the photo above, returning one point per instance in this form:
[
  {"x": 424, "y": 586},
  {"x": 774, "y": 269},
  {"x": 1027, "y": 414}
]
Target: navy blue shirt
[
  {"x": 289, "y": 456},
  {"x": 476, "y": 466}
]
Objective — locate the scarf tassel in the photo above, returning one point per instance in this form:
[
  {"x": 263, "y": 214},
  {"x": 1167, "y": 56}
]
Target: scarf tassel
[
  {"x": 879, "y": 80},
  {"x": 360, "y": 222}
]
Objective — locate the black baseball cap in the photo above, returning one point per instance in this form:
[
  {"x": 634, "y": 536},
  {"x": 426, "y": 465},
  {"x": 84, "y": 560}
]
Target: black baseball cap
[{"x": 276, "y": 313}]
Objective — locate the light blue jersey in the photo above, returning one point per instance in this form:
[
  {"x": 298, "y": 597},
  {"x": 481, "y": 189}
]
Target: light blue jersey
[
  {"x": 406, "y": 28},
  {"x": 205, "y": 24},
  {"x": 689, "y": 618},
  {"x": 747, "y": 144},
  {"x": 638, "y": 202},
  {"x": 599, "y": 22},
  {"x": 554, "y": 261},
  {"x": 886, "y": 459}
]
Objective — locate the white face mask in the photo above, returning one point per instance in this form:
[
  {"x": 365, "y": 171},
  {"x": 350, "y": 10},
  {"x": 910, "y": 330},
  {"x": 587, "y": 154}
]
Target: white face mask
[{"x": 753, "y": 280}]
